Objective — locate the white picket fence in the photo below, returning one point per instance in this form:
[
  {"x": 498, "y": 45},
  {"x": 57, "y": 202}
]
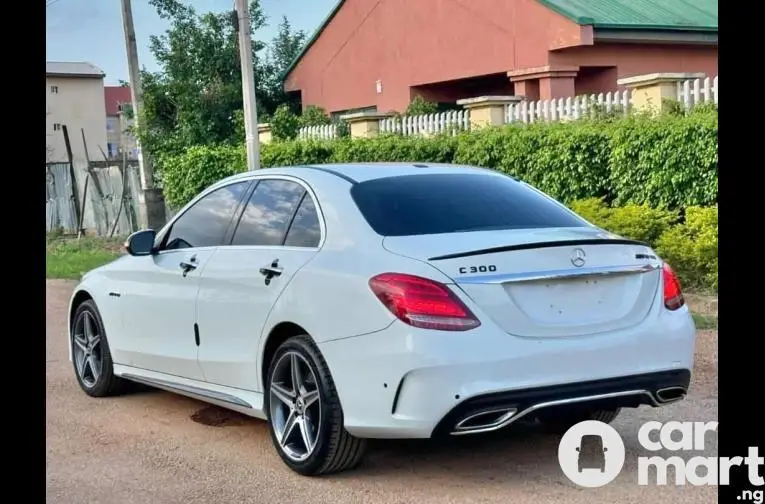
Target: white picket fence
[
  {"x": 323, "y": 132},
  {"x": 559, "y": 109},
  {"x": 689, "y": 93},
  {"x": 692, "y": 92},
  {"x": 452, "y": 121}
]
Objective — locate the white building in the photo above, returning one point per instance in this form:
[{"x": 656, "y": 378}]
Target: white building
[{"x": 75, "y": 98}]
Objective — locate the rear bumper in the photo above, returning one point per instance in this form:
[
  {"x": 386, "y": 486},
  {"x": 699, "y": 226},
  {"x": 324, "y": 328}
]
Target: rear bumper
[
  {"x": 651, "y": 389},
  {"x": 403, "y": 382}
]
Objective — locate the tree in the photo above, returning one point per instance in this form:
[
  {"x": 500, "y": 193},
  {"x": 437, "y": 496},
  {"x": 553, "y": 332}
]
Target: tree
[
  {"x": 286, "y": 46},
  {"x": 282, "y": 51},
  {"x": 193, "y": 99}
]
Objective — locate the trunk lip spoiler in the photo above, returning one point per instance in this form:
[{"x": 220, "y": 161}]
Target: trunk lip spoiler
[
  {"x": 539, "y": 245},
  {"x": 532, "y": 276}
]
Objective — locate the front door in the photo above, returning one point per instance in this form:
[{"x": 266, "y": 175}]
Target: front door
[
  {"x": 278, "y": 233},
  {"x": 158, "y": 298}
]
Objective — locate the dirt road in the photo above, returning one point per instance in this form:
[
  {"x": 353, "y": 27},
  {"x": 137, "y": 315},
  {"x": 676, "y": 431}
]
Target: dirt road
[{"x": 146, "y": 448}]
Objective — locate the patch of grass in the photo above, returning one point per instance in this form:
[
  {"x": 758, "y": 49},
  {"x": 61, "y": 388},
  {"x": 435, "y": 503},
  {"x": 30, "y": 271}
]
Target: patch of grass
[
  {"x": 704, "y": 321},
  {"x": 70, "y": 258}
]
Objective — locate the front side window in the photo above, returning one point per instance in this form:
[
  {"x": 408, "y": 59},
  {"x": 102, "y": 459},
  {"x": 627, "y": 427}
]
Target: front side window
[{"x": 206, "y": 222}]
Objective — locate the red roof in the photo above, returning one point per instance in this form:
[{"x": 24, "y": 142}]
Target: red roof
[{"x": 114, "y": 96}]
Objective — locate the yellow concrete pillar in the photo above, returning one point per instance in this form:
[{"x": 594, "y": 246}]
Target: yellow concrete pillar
[
  {"x": 487, "y": 110},
  {"x": 364, "y": 124},
  {"x": 264, "y": 133},
  {"x": 650, "y": 90}
]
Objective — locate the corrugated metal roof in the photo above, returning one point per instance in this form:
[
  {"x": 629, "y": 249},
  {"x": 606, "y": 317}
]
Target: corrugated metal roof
[
  {"x": 72, "y": 68},
  {"x": 697, "y": 15}
]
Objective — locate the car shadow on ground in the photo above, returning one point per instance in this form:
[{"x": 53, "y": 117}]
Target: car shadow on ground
[{"x": 522, "y": 453}]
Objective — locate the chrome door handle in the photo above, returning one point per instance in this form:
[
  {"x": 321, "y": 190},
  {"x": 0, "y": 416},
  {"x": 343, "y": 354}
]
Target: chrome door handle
[
  {"x": 187, "y": 266},
  {"x": 271, "y": 271}
]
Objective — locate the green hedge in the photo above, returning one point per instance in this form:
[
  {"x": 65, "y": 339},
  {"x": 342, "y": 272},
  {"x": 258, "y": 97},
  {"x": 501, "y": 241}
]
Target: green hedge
[
  {"x": 665, "y": 162},
  {"x": 640, "y": 177},
  {"x": 687, "y": 241}
]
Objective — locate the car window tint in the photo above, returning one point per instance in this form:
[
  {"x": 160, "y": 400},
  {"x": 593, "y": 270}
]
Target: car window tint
[
  {"x": 449, "y": 203},
  {"x": 268, "y": 213},
  {"x": 205, "y": 223},
  {"x": 305, "y": 230}
]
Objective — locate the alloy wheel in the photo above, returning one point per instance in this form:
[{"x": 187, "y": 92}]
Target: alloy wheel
[
  {"x": 87, "y": 349},
  {"x": 295, "y": 406}
]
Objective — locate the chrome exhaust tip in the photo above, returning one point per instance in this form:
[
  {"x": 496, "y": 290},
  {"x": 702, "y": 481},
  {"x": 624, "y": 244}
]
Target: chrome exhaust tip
[
  {"x": 670, "y": 394},
  {"x": 484, "y": 421}
]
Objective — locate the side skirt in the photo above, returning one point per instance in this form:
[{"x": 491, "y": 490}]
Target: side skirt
[{"x": 243, "y": 401}]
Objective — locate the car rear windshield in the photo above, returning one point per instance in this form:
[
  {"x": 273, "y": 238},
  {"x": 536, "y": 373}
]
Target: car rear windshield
[{"x": 450, "y": 203}]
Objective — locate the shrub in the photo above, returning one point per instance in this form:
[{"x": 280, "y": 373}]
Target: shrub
[
  {"x": 567, "y": 162},
  {"x": 665, "y": 162},
  {"x": 637, "y": 222},
  {"x": 314, "y": 116},
  {"x": 668, "y": 162},
  {"x": 691, "y": 247},
  {"x": 184, "y": 176},
  {"x": 285, "y": 124},
  {"x": 420, "y": 106}
]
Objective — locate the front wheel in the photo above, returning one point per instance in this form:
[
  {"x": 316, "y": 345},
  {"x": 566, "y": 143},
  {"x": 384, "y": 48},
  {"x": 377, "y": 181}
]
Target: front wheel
[
  {"x": 91, "y": 356},
  {"x": 304, "y": 413}
]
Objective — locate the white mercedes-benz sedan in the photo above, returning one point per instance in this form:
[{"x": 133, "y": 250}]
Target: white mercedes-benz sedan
[{"x": 347, "y": 302}]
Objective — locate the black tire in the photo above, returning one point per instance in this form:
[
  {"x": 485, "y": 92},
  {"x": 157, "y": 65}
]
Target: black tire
[
  {"x": 335, "y": 450},
  {"x": 106, "y": 384},
  {"x": 558, "y": 421}
]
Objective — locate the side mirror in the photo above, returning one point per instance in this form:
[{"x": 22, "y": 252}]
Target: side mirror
[{"x": 141, "y": 243}]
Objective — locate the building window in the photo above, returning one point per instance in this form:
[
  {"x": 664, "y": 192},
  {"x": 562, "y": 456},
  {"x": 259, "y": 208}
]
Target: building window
[
  {"x": 112, "y": 150},
  {"x": 54, "y": 89},
  {"x": 56, "y": 126}
]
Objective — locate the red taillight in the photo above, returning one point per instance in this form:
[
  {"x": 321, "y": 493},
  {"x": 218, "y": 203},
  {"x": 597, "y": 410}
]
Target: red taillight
[
  {"x": 673, "y": 294},
  {"x": 422, "y": 303}
]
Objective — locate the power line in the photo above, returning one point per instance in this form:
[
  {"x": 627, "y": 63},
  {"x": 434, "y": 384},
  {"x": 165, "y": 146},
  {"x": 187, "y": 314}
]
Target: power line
[{"x": 48, "y": 3}]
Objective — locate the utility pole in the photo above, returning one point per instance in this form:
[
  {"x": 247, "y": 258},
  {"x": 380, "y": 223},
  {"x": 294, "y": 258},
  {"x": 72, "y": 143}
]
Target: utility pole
[
  {"x": 248, "y": 85},
  {"x": 151, "y": 203}
]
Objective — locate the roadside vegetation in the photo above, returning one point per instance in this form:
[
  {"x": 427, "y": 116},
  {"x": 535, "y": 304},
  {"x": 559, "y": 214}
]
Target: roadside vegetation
[{"x": 69, "y": 258}]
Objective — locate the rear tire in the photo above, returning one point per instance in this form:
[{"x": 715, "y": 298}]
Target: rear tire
[
  {"x": 558, "y": 421},
  {"x": 305, "y": 418},
  {"x": 91, "y": 356}
]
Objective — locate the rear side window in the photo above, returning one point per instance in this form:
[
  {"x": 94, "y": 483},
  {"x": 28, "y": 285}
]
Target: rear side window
[
  {"x": 305, "y": 230},
  {"x": 268, "y": 213},
  {"x": 449, "y": 203}
]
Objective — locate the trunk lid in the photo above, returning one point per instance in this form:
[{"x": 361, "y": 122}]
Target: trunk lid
[{"x": 554, "y": 282}]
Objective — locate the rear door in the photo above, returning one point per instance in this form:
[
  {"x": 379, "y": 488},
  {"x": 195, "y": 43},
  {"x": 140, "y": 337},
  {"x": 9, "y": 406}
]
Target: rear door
[
  {"x": 529, "y": 263},
  {"x": 279, "y": 231}
]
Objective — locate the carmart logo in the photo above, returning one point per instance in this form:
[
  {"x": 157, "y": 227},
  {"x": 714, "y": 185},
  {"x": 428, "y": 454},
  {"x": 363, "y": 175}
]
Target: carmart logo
[{"x": 604, "y": 460}]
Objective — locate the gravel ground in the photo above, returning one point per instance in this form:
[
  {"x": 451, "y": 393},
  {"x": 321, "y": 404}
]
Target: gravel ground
[{"x": 155, "y": 447}]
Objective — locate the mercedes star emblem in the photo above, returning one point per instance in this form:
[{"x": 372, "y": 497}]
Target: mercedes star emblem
[{"x": 578, "y": 257}]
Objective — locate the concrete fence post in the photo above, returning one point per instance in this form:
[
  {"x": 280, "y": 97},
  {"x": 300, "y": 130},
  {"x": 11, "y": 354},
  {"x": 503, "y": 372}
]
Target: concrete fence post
[
  {"x": 649, "y": 90},
  {"x": 264, "y": 133},
  {"x": 364, "y": 124},
  {"x": 488, "y": 110}
]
